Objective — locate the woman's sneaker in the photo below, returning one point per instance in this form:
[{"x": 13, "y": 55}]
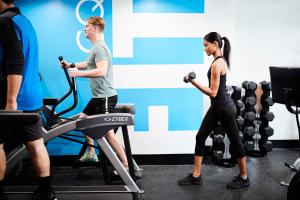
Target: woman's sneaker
[
  {"x": 190, "y": 180},
  {"x": 89, "y": 158},
  {"x": 239, "y": 182}
]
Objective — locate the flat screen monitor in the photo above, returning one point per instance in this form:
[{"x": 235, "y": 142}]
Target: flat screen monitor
[{"x": 285, "y": 77}]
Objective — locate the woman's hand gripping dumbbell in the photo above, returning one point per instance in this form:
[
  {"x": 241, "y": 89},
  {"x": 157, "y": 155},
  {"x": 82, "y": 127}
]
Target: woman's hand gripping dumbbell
[{"x": 189, "y": 77}]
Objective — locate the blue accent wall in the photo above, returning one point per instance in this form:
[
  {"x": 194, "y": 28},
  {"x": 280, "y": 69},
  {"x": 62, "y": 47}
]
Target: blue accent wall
[
  {"x": 184, "y": 106},
  {"x": 168, "y": 6},
  {"x": 165, "y": 51},
  {"x": 56, "y": 26}
]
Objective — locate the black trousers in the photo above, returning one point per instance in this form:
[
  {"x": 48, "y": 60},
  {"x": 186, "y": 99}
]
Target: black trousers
[{"x": 226, "y": 115}]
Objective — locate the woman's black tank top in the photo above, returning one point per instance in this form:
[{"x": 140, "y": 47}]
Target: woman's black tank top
[{"x": 222, "y": 97}]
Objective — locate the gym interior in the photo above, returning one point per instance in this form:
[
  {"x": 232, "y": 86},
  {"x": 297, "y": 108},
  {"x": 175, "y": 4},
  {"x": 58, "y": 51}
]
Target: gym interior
[{"x": 158, "y": 49}]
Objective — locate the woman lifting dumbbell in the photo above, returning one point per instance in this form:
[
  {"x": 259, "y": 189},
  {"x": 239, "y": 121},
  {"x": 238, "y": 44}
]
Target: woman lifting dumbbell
[{"x": 222, "y": 109}]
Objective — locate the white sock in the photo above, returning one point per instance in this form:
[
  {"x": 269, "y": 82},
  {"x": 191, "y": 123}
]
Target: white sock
[
  {"x": 244, "y": 177},
  {"x": 196, "y": 176}
]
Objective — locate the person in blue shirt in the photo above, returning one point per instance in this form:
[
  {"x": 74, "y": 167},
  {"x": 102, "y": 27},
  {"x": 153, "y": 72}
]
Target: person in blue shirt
[{"x": 20, "y": 89}]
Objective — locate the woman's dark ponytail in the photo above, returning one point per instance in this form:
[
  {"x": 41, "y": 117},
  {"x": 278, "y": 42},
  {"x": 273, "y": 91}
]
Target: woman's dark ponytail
[
  {"x": 226, "y": 51},
  {"x": 214, "y": 36}
]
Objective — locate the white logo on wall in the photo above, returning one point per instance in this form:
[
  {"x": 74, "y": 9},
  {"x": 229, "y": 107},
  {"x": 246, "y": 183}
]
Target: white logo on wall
[{"x": 98, "y": 4}]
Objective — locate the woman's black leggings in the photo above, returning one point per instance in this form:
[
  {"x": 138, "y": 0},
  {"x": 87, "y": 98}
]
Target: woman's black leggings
[{"x": 226, "y": 115}]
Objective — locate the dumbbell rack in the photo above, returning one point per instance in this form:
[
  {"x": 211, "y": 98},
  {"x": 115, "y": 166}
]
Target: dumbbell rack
[
  {"x": 240, "y": 109},
  {"x": 266, "y": 116},
  {"x": 249, "y": 131},
  {"x": 256, "y": 127}
]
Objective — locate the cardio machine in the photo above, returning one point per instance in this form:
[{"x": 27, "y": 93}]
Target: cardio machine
[
  {"x": 93, "y": 126},
  {"x": 52, "y": 119},
  {"x": 285, "y": 90}
]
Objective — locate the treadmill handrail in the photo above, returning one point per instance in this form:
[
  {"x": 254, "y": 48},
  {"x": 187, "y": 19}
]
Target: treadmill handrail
[
  {"x": 72, "y": 89},
  {"x": 75, "y": 96}
]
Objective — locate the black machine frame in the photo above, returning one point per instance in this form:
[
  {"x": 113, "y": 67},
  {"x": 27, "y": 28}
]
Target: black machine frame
[
  {"x": 286, "y": 89},
  {"x": 94, "y": 126}
]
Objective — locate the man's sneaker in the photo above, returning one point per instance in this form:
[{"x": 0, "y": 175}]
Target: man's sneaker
[
  {"x": 117, "y": 174},
  {"x": 89, "y": 158},
  {"x": 238, "y": 182},
  {"x": 38, "y": 195},
  {"x": 190, "y": 180}
]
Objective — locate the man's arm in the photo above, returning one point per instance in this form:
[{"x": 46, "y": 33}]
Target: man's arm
[
  {"x": 81, "y": 65},
  {"x": 13, "y": 87},
  {"x": 14, "y": 61},
  {"x": 100, "y": 70}
]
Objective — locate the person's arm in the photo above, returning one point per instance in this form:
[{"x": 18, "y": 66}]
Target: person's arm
[
  {"x": 100, "y": 70},
  {"x": 214, "y": 82},
  {"x": 14, "y": 63},
  {"x": 13, "y": 87},
  {"x": 101, "y": 60},
  {"x": 80, "y": 65}
]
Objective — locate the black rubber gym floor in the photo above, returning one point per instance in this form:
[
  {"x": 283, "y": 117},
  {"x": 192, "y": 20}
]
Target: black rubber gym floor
[{"x": 160, "y": 181}]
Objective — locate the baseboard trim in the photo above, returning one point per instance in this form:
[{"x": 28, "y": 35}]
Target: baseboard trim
[{"x": 285, "y": 143}]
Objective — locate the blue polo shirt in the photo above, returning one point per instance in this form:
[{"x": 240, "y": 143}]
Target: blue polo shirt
[{"x": 19, "y": 56}]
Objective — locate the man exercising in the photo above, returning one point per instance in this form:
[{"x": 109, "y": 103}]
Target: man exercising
[
  {"x": 20, "y": 89},
  {"x": 98, "y": 68}
]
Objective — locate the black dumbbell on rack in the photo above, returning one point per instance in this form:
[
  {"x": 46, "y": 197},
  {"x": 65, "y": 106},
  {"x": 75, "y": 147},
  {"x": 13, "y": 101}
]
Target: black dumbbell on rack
[
  {"x": 236, "y": 94},
  {"x": 218, "y": 145},
  {"x": 240, "y": 107},
  {"x": 250, "y": 88}
]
